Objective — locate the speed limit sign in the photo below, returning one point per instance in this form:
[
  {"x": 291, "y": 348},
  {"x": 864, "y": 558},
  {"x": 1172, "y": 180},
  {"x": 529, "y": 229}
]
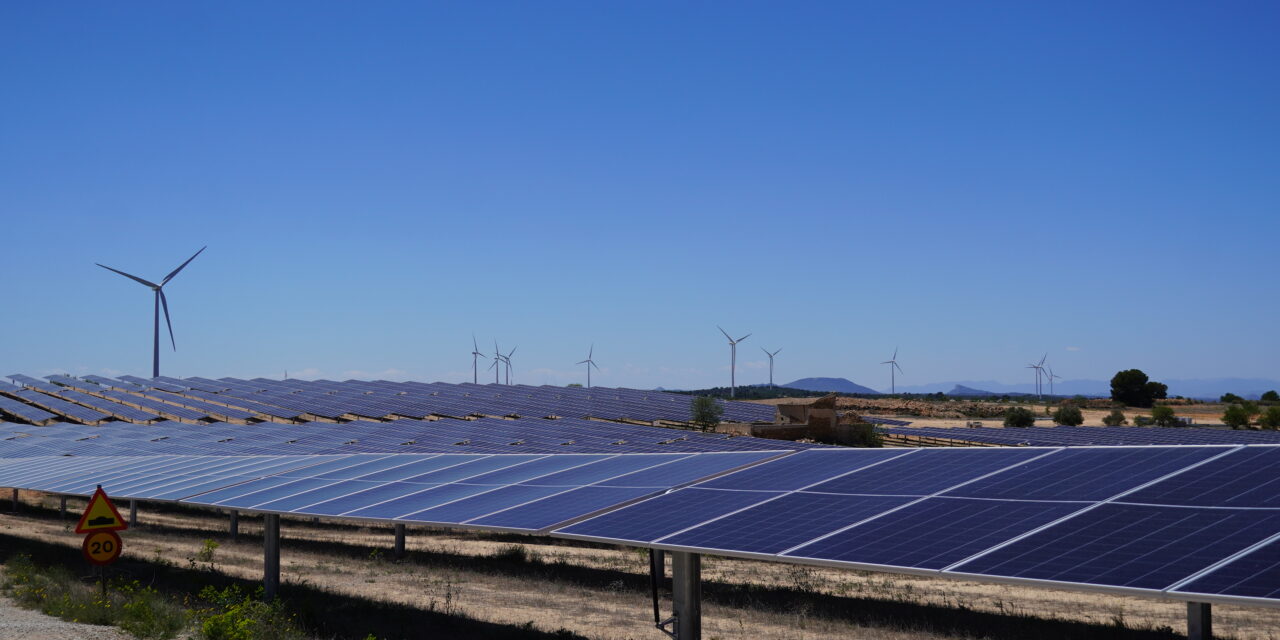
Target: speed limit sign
[{"x": 101, "y": 547}]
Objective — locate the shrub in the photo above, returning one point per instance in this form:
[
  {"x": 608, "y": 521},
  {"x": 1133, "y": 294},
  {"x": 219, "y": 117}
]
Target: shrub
[
  {"x": 1143, "y": 421},
  {"x": 1271, "y": 396},
  {"x": 1236, "y": 416},
  {"x": 233, "y": 615},
  {"x": 1230, "y": 398},
  {"x": 1019, "y": 417},
  {"x": 1164, "y": 417},
  {"x": 1069, "y": 416},
  {"x": 1115, "y": 418},
  {"x": 1270, "y": 419},
  {"x": 706, "y": 412}
]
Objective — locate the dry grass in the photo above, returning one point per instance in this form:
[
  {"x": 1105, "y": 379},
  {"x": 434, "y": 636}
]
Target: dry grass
[{"x": 601, "y": 592}]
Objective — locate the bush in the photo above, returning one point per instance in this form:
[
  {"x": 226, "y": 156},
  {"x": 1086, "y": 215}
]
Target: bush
[
  {"x": 1115, "y": 418},
  {"x": 1236, "y": 416},
  {"x": 1230, "y": 398},
  {"x": 1143, "y": 421},
  {"x": 233, "y": 615},
  {"x": 1271, "y": 396},
  {"x": 706, "y": 412},
  {"x": 1164, "y": 417},
  {"x": 1270, "y": 419},
  {"x": 1068, "y": 416},
  {"x": 1019, "y": 417}
]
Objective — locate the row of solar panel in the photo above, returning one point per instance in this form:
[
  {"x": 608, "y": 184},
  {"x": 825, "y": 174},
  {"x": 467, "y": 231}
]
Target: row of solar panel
[
  {"x": 1091, "y": 436},
  {"x": 1202, "y": 521},
  {"x": 487, "y": 435}
]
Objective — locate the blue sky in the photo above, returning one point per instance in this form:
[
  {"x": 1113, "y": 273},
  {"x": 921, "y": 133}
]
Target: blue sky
[{"x": 979, "y": 183}]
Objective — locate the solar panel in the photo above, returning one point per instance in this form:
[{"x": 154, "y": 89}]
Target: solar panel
[
  {"x": 1246, "y": 478},
  {"x": 1252, "y": 576}
]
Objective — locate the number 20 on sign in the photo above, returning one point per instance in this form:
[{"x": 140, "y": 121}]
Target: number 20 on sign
[{"x": 101, "y": 547}]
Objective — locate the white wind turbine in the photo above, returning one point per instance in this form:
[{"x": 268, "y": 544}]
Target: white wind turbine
[
  {"x": 771, "y": 355},
  {"x": 893, "y": 364},
  {"x": 475, "y": 359},
  {"x": 1039, "y": 367},
  {"x": 507, "y": 360},
  {"x": 590, "y": 363},
  {"x": 733, "y": 359},
  {"x": 1051, "y": 376}
]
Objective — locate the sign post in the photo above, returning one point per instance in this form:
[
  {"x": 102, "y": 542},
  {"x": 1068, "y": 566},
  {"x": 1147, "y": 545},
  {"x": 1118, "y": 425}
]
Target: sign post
[{"x": 100, "y": 522}]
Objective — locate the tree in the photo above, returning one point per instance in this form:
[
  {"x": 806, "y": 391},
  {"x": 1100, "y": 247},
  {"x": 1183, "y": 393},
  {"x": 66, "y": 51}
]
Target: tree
[
  {"x": 1164, "y": 417},
  {"x": 1068, "y": 416},
  {"x": 1229, "y": 398},
  {"x": 574, "y": 384},
  {"x": 1115, "y": 418},
  {"x": 1236, "y": 416},
  {"x": 1270, "y": 419},
  {"x": 706, "y": 412},
  {"x": 1135, "y": 389},
  {"x": 1019, "y": 417},
  {"x": 1271, "y": 396}
]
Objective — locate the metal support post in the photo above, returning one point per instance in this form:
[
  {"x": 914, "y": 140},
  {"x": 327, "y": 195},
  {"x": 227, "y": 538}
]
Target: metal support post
[
  {"x": 15, "y": 500},
  {"x": 133, "y": 512},
  {"x": 686, "y": 594},
  {"x": 270, "y": 556},
  {"x": 1199, "y": 621},
  {"x": 233, "y": 527},
  {"x": 62, "y": 507},
  {"x": 399, "y": 541}
]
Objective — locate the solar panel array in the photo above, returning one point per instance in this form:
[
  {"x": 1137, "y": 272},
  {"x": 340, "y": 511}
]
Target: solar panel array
[
  {"x": 231, "y": 399},
  {"x": 1090, "y": 436}
]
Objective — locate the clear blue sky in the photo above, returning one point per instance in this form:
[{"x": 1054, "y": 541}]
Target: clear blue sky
[{"x": 979, "y": 183}]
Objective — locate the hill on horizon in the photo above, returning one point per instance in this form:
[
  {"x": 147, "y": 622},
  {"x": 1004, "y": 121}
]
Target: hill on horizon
[{"x": 838, "y": 385}]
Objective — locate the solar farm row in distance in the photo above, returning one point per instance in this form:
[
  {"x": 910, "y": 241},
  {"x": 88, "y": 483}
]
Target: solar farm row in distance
[
  {"x": 487, "y": 435},
  {"x": 231, "y": 399},
  {"x": 1090, "y": 436},
  {"x": 507, "y": 492},
  {"x": 1151, "y": 520}
]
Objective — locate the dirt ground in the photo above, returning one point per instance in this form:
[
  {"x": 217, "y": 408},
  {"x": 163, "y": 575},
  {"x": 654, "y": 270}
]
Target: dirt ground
[
  {"x": 917, "y": 412},
  {"x": 355, "y": 561},
  {"x": 17, "y": 623}
]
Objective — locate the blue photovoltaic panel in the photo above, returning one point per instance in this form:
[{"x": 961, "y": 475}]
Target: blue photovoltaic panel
[
  {"x": 666, "y": 514},
  {"x": 927, "y": 471},
  {"x": 1256, "y": 575},
  {"x": 227, "y": 492},
  {"x": 778, "y": 525},
  {"x": 251, "y": 499},
  {"x": 367, "y": 466},
  {"x": 1086, "y": 474},
  {"x": 935, "y": 532},
  {"x": 351, "y": 495},
  {"x": 482, "y": 504},
  {"x": 558, "y": 508},
  {"x": 688, "y": 469},
  {"x": 469, "y": 470},
  {"x": 534, "y": 469},
  {"x": 604, "y": 470},
  {"x": 1245, "y": 478},
  {"x": 802, "y": 469},
  {"x": 434, "y": 463},
  {"x": 427, "y": 498},
  {"x": 1129, "y": 545}
]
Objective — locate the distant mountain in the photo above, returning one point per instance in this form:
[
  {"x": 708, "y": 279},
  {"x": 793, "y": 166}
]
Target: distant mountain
[
  {"x": 1205, "y": 388},
  {"x": 838, "y": 385},
  {"x": 961, "y": 390}
]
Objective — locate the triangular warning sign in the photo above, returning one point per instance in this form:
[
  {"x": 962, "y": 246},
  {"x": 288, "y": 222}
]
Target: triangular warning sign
[{"x": 100, "y": 515}]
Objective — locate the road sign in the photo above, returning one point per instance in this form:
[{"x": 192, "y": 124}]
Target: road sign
[
  {"x": 101, "y": 547},
  {"x": 100, "y": 515}
]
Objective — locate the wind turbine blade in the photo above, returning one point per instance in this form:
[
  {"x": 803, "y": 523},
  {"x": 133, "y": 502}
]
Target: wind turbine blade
[
  {"x": 1046, "y": 357},
  {"x": 887, "y": 362},
  {"x": 135, "y": 278},
  {"x": 726, "y": 334},
  {"x": 495, "y": 363},
  {"x": 895, "y": 354},
  {"x": 899, "y": 368},
  {"x": 594, "y": 364},
  {"x": 165, "y": 303},
  {"x": 474, "y": 347},
  {"x": 766, "y": 351},
  {"x": 583, "y": 362},
  {"x": 591, "y": 352},
  {"x": 777, "y": 352},
  {"x": 743, "y": 338},
  {"x": 513, "y": 350},
  {"x": 182, "y": 266}
]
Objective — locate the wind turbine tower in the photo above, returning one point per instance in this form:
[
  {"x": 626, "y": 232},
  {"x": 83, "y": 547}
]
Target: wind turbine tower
[
  {"x": 893, "y": 365},
  {"x": 160, "y": 302},
  {"x": 497, "y": 359},
  {"x": 590, "y": 363},
  {"x": 1039, "y": 367},
  {"x": 507, "y": 359},
  {"x": 733, "y": 360},
  {"x": 475, "y": 359},
  {"x": 1051, "y": 376},
  {"x": 771, "y": 355}
]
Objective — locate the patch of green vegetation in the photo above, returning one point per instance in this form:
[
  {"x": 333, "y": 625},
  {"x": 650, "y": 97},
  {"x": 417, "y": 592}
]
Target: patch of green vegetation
[{"x": 231, "y": 614}]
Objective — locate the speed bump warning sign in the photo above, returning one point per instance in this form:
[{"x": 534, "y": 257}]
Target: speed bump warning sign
[{"x": 100, "y": 515}]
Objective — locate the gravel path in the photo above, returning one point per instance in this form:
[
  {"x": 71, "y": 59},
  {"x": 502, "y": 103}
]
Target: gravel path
[{"x": 17, "y": 623}]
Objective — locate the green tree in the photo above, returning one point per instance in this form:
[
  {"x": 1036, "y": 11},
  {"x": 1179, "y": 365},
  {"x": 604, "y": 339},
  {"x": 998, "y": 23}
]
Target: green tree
[
  {"x": 1164, "y": 417},
  {"x": 1115, "y": 418},
  {"x": 1236, "y": 416},
  {"x": 1019, "y": 417},
  {"x": 1228, "y": 398},
  {"x": 1135, "y": 389},
  {"x": 1270, "y": 419},
  {"x": 1271, "y": 396},
  {"x": 1069, "y": 416},
  {"x": 706, "y": 412},
  {"x": 574, "y": 384}
]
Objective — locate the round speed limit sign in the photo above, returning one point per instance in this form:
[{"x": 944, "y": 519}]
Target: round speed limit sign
[{"x": 101, "y": 547}]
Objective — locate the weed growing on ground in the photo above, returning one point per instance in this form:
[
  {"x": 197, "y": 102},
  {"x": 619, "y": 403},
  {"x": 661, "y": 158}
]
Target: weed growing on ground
[{"x": 231, "y": 614}]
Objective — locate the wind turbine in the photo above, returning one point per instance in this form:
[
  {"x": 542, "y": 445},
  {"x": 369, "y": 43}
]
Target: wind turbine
[
  {"x": 733, "y": 359},
  {"x": 590, "y": 363},
  {"x": 475, "y": 359},
  {"x": 497, "y": 359},
  {"x": 1039, "y": 367},
  {"x": 893, "y": 364},
  {"x": 771, "y": 355},
  {"x": 160, "y": 301},
  {"x": 507, "y": 359},
  {"x": 1051, "y": 377}
]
